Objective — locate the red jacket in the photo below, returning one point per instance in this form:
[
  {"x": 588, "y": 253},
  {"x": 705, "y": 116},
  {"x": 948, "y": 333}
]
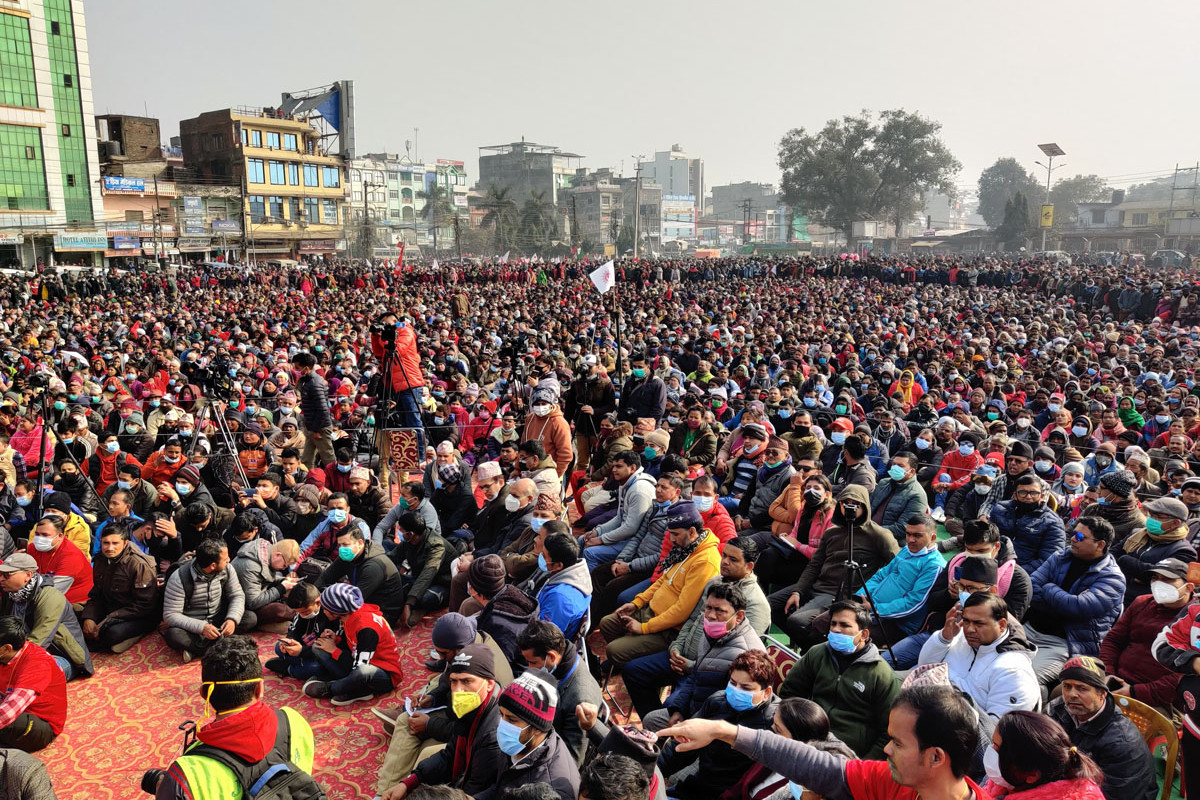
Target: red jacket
[
  {"x": 960, "y": 468},
  {"x": 1127, "y": 651},
  {"x": 67, "y": 560},
  {"x": 371, "y": 641},
  {"x": 407, "y": 374},
  {"x": 872, "y": 780},
  {"x": 36, "y": 670}
]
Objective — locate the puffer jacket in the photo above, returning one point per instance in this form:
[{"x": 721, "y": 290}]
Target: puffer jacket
[
  {"x": 634, "y": 499},
  {"x": 1087, "y": 609},
  {"x": 1035, "y": 535},
  {"x": 552, "y": 763},
  {"x": 1112, "y": 739},
  {"x": 504, "y": 618},
  {"x": 374, "y": 574},
  {"x": 124, "y": 587},
  {"x": 641, "y": 551},
  {"x": 1136, "y": 564},
  {"x": 50, "y": 623},
  {"x": 209, "y": 594},
  {"x": 676, "y": 592},
  {"x": 900, "y": 501},
  {"x": 710, "y": 671},
  {"x": 999, "y": 676},
  {"x": 260, "y": 583},
  {"x": 901, "y": 587},
  {"x": 785, "y": 508},
  {"x": 874, "y": 546},
  {"x": 758, "y": 614},
  {"x": 314, "y": 402}
]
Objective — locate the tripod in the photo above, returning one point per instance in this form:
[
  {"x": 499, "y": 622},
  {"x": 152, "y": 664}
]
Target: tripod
[
  {"x": 853, "y": 572},
  {"x": 226, "y": 438},
  {"x": 387, "y": 416}
]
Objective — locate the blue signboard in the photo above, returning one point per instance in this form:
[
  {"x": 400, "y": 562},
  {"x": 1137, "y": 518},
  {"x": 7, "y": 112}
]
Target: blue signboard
[{"x": 118, "y": 184}]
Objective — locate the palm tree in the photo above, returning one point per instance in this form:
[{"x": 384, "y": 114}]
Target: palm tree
[
  {"x": 539, "y": 223},
  {"x": 437, "y": 208},
  {"x": 501, "y": 217}
]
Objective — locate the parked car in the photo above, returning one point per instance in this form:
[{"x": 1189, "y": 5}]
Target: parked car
[{"x": 1168, "y": 258}]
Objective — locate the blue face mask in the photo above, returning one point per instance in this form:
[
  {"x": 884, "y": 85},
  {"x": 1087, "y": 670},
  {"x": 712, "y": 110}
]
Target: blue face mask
[
  {"x": 536, "y": 523},
  {"x": 124, "y": 484},
  {"x": 896, "y": 473},
  {"x": 344, "y": 467},
  {"x": 346, "y": 553},
  {"x": 796, "y": 789},
  {"x": 962, "y": 597},
  {"x": 841, "y": 642},
  {"x": 1101, "y": 501},
  {"x": 785, "y": 413},
  {"x": 810, "y": 402},
  {"x": 966, "y": 450},
  {"x": 338, "y": 515},
  {"x": 24, "y": 501},
  {"x": 542, "y": 563},
  {"x": 738, "y": 698},
  {"x": 508, "y": 737},
  {"x": 838, "y": 437}
]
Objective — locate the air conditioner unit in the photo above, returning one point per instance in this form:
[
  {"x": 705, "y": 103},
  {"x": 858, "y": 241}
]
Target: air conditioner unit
[{"x": 303, "y": 224}]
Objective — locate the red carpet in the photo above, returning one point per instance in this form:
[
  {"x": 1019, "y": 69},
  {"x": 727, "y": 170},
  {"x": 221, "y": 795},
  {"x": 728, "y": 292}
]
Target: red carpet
[{"x": 124, "y": 720}]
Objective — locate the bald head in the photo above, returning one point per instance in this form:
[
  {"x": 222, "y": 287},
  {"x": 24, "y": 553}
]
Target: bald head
[{"x": 525, "y": 490}]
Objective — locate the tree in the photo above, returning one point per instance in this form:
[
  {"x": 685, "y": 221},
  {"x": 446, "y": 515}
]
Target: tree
[
  {"x": 1070, "y": 192},
  {"x": 1014, "y": 228},
  {"x": 999, "y": 183},
  {"x": 1155, "y": 190},
  {"x": 501, "y": 217},
  {"x": 860, "y": 168},
  {"x": 539, "y": 222},
  {"x": 437, "y": 209}
]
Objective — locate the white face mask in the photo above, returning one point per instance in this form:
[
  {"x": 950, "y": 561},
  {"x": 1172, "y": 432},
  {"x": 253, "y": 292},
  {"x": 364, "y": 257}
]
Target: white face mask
[
  {"x": 43, "y": 544},
  {"x": 511, "y": 503},
  {"x": 982, "y": 488},
  {"x": 541, "y": 411},
  {"x": 1164, "y": 593},
  {"x": 991, "y": 765}
]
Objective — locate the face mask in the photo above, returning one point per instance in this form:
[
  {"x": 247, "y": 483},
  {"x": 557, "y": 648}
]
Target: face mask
[
  {"x": 703, "y": 504},
  {"x": 183, "y": 488},
  {"x": 508, "y": 738},
  {"x": 639, "y": 373},
  {"x": 512, "y": 503},
  {"x": 310, "y": 616},
  {"x": 810, "y": 402},
  {"x": 966, "y": 450},
  {"x": 840, "y": 408},
  {"x": 838, "y": 438},
  {"x": 1023, "y": 423},
  {"x": 751, "y": 449},
  {"x": 124, "y": 485},
  {"x": 1154, "y": 526},
  {"x": 43, "y": 544},
  {"x": 132, "y": 429},
  {"x": 536, "y": 523},
  {"x": 896, "y": 473},
  {"x": 170, "y": 460},
  {"x": 464, "y": 703},
  {"x": 1161, "y": 419},
  {"x": 796, "y": 789},
  {"x": 649, "y": 453},
  {"x": 993, "y": 415},
  {"x": 344, "y": 467},
  {"x": 1103, "y": 462},
  {"x": 542, "y": 565},
  {"x": 1103, "y": 501},
  {"x": 1079, "y": 430},
  {"x": 1164, "y": 593},
  {"x": 24, "y": 501},
  {"x": 66, "y": 440},
  {"x": 346, "y": 553},
  {"x": 841, "y": 642},
  {"x": 921, "y": 444},
  {"x": 785, "y": 413},
  {"x": 991, "y": 765},
  {"x": 439, "y": 420},
  {"x": 112, "y": 447},
  {"x": 338, "y": 515},
  {"x": 59, "y": 405},
  {"x": 738, "y": 698},
  {"x": 541, "y": 410},
  {"x": 962, "y": 597},
  {"x": 1054, "y": 408},
  {"x": 715, "y": 630}
]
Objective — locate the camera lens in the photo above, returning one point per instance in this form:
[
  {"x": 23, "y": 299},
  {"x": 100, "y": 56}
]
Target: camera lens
[{"x": 150, "y": 780}]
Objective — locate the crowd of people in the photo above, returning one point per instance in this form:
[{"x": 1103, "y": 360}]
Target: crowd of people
[{"x": 836, "y": 527}]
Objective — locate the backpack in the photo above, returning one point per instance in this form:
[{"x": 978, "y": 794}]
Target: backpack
[{"x": 273, "y": 778}]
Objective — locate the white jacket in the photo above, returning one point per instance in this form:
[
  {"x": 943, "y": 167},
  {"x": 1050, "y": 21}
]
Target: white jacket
[{"x": 998, "y": 676}]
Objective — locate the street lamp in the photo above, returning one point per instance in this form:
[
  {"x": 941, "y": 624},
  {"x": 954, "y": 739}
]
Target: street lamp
[{"x": 1051, "y": 150}]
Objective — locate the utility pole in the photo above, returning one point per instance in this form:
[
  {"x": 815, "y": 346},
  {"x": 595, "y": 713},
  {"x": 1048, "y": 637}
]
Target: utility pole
[
  {"x": 1050, "y": 151},
  {"x": 366, "y": 236},
  {"x": 458, "y": 235},
  {"x": 158, "y": 249},
  {"x": 575, "y": 237},
  {"x": 637, "y": 205},
  {"x": 747, "y": 205}
]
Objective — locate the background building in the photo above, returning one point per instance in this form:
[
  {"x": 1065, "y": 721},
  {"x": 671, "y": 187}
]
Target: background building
[
  {"x": 525, "y": 169},
  {"x": 592, "y": 203},
  {"x": 49, "y": 167},
  {"x": 677, "y": 174},
  {"x": 395, "y": 190}
]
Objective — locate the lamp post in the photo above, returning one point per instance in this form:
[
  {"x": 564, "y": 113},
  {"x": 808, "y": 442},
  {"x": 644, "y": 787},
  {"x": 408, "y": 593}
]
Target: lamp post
[
  {"x": 1051, "y": 150},
  {"x": 366, "y": 237}
]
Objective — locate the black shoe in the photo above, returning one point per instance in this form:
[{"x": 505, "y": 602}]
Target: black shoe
[
  {"x": 435, "y": 665},
  {"x": 277, "y": 665}
]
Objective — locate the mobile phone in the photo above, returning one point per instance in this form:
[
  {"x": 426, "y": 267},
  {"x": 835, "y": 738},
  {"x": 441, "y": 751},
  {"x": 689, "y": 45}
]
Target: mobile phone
[{"x": 250, "y": 492}]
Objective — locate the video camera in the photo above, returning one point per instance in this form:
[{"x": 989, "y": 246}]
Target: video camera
[{"x": 151, "y": 778}]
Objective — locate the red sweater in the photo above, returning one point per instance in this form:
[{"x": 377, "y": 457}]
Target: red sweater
[
  {"x": 66, "y": 560},
  {"x": 36, "y": 670},
  {"x": 371, "y": 641},
  {"x": 872, "y": 780},
  {"x": 1128, "y": 651},
  {"x": 960, "y": 468}
]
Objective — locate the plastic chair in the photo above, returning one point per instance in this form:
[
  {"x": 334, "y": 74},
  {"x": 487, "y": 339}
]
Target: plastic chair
[
  {"x": 782, "y": 656},
  {"x": 1155, "y": 728}
]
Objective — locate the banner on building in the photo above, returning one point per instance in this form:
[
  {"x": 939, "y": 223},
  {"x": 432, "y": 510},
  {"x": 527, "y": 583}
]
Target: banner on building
[
  {"x": 113, "y": 183},
  {"x": 226, "y": 226},
  {"x": 81, "y": 240}
]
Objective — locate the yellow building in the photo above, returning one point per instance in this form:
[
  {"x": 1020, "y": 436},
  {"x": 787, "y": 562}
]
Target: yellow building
[{"x": 295, "y": 192}]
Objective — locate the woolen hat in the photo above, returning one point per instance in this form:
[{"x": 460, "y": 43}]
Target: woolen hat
[
  {"x": 659, "y": 439},
  {"x": 531, "y": 699},
  {"x": 453, "y": 631},
  {"x": 1167, "y": 506},
  {"x": 189, "y": 473},
  {"x": 681, "y": 515},
  {"x": 1121, "y": 483},
  {"x": 979, "y": 570},
  {"x": 57, "y": 501},
  {"x": 474, "y": 659},
  {"x": 1085, "y": 669},
  {"x": 754, "y": 430},
  {"x": 341, "y": 598},
  {"x": 1020, "y": 449},
  {"x": 487, "y": 575}
]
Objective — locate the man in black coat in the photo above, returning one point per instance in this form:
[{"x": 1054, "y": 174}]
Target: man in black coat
[
  {"x": 644, "y": 395},
  {"x": 366, "y": 565},
  {"x": 314, "y": 405}
]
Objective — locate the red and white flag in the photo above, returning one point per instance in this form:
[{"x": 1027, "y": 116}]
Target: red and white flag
[{"x": 604, "y": 276}]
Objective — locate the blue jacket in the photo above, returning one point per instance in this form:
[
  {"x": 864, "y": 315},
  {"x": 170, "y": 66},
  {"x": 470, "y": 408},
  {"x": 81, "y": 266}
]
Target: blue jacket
[
  {"x": 1088, "y": 608},
  {"x": 1035, "y": 536},
  {"x": 902, "y": 585},
  {"x": 1092, "y": 473},
  {"x": 900, "y": 501},
  {"x": 565, "y": 598}
]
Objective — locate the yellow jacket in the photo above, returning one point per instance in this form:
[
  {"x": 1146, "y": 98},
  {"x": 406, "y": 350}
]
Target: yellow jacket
[
  {"x": 677, "y": 591},
  {"x": 79, "y": 534}
]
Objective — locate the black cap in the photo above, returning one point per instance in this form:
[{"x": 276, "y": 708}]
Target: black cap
[
  {"x": 1171, "y": 568},
  {"x": 979, "y": 570}
]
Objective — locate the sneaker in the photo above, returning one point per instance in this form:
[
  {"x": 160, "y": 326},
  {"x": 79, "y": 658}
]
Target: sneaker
[
  {"x": 949, "y": 545},
  {"x": 187, "y": 656},
  {"x": 345, "y": 700},
  {"x": 277, "y": 665},
  {"x": 388, "y": 717},
  {"x": 938, "y": 514},
  {"x": 316, "y": 688},
  {"x": 125, "y": 644}
]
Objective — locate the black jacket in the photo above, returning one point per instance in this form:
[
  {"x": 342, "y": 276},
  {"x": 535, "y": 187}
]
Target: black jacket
[
  {"x": 1112, "y": 740},
  {"x": 314, "y": 402},
  {"x": 550, "y": 763},
  {"x": 428, "y": 563},
  {"x": 599, "y": 394},
  {"x": 643, "y": 398},
  {"x": 720, "y": 765},
  {"x": 455, "y": 505},
  {"x": 475, "y": 735},
  {"x": 504, "y": 618},
  {"x": 374, "y": 574}
]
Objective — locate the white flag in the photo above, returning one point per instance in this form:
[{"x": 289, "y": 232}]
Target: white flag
[
  {"x": 434, "y": 265},
  {"x": 504, "y": 258},
  {"x": 604, "y": 276}
]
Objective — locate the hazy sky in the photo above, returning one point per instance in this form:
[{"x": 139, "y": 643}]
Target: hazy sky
[{"x": 1116, "y": 84}]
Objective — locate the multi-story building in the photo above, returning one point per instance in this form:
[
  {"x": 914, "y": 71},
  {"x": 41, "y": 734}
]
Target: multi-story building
[
  {"x": 678, "y": 217},
  {"x": 525, "y": 169},
  {"x": 677, "y": 174},
  {"x": 294, "y": 187},
  {"x": 395, "y": 188},
  {"x": 1137, "y": 225},
  {"x": 49, "y": 167},
  {"x": 754, "y": 210},
  {"x": 592, "y": 203}
]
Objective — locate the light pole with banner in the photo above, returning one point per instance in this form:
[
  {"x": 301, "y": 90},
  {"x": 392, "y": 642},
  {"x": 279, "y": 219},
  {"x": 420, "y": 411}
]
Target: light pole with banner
[{"x": 1046, "y": 219}]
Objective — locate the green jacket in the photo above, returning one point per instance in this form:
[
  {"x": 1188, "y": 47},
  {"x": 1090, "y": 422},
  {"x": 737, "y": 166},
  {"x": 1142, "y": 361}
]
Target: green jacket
[
  {"x": 858, "y": 700},
  {"x": 51, "y": 623}
]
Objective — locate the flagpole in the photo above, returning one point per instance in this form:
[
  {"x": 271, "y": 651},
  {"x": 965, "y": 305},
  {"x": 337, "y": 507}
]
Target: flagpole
[{"x": 617, "y": 318}]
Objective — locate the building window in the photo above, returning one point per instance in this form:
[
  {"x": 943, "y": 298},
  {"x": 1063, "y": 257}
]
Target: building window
[
  {"x": 276, "y": 172},
  {"x": 258, "y": 208},
  {"x": 289, "y": 142},
  {"x": 331, "y": 177},
  {"x": 55, "y": 28},
  {"x": 293, "y": 208},
  {"x": 1141, "y": 219},
  {"x": 30, "y": 152},
  {"x": 329, "y": 212},
  {"x": 70, "y": 180},
  {"x": 68, "y": 81},
  {"x": 254, "y": 171},
  {"x": 293, "y": 174},
  {"x": 256, "y": 138},
  {"x": 394, "y": 213},
  {"x": 273, "y": 140},
  {"x": 275, "y": 207},
  {"x": 310, "y": 175},
  {"x": 23, "y": 182},
  {"x": 312, "y": 209},
  {"x": 393, "y": 194},
  {"x": 1098, "y": 216},
  {"x": 66, "y": 130},
  {"x": 18, "y": 85}
]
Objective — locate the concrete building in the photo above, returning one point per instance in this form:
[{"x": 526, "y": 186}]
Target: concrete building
[
  {"x": 753, "y": 211},
  {"x": 392, "y": 186},
  {"x": 49, "y": 164},
  {"x": 525, "y": 168},
  {"x": 648, "y": 202},
  {"x": 678, "y": 217},
  {"x": 677, "y": 174},
  {"x": 592, "y": 203},
  {"x": 294, "y": 185}
]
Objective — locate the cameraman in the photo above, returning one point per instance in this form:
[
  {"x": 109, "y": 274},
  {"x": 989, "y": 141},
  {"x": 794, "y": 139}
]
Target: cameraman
[
  {"x": 405, "y": 369},
  {"x": 245, "y": 727}
]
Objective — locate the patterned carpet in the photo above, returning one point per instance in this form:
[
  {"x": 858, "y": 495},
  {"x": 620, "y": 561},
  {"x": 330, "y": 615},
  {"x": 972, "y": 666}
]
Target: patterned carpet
[{"x": 124, "y": 720}]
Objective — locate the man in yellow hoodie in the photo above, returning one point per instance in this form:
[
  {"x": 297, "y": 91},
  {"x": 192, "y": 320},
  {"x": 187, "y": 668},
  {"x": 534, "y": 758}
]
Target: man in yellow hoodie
[{"x": 650, "y": 623}]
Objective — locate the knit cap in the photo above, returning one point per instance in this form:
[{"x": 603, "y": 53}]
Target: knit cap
[
  {"x": 659, "y": 439},
  {"x": 935, "y": 674},
  {"x": 1121, "y": 483},
  {"x": 341, "y": 598},
  {"x": 681, "y": 515},
  {"x": 189, "y": 473},
  {"x": 1085, "y": 669},
  {"x": 532, "y": 700},
  {"x": 453, "y": 631},
  {"x": 487, "y": 575}
]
